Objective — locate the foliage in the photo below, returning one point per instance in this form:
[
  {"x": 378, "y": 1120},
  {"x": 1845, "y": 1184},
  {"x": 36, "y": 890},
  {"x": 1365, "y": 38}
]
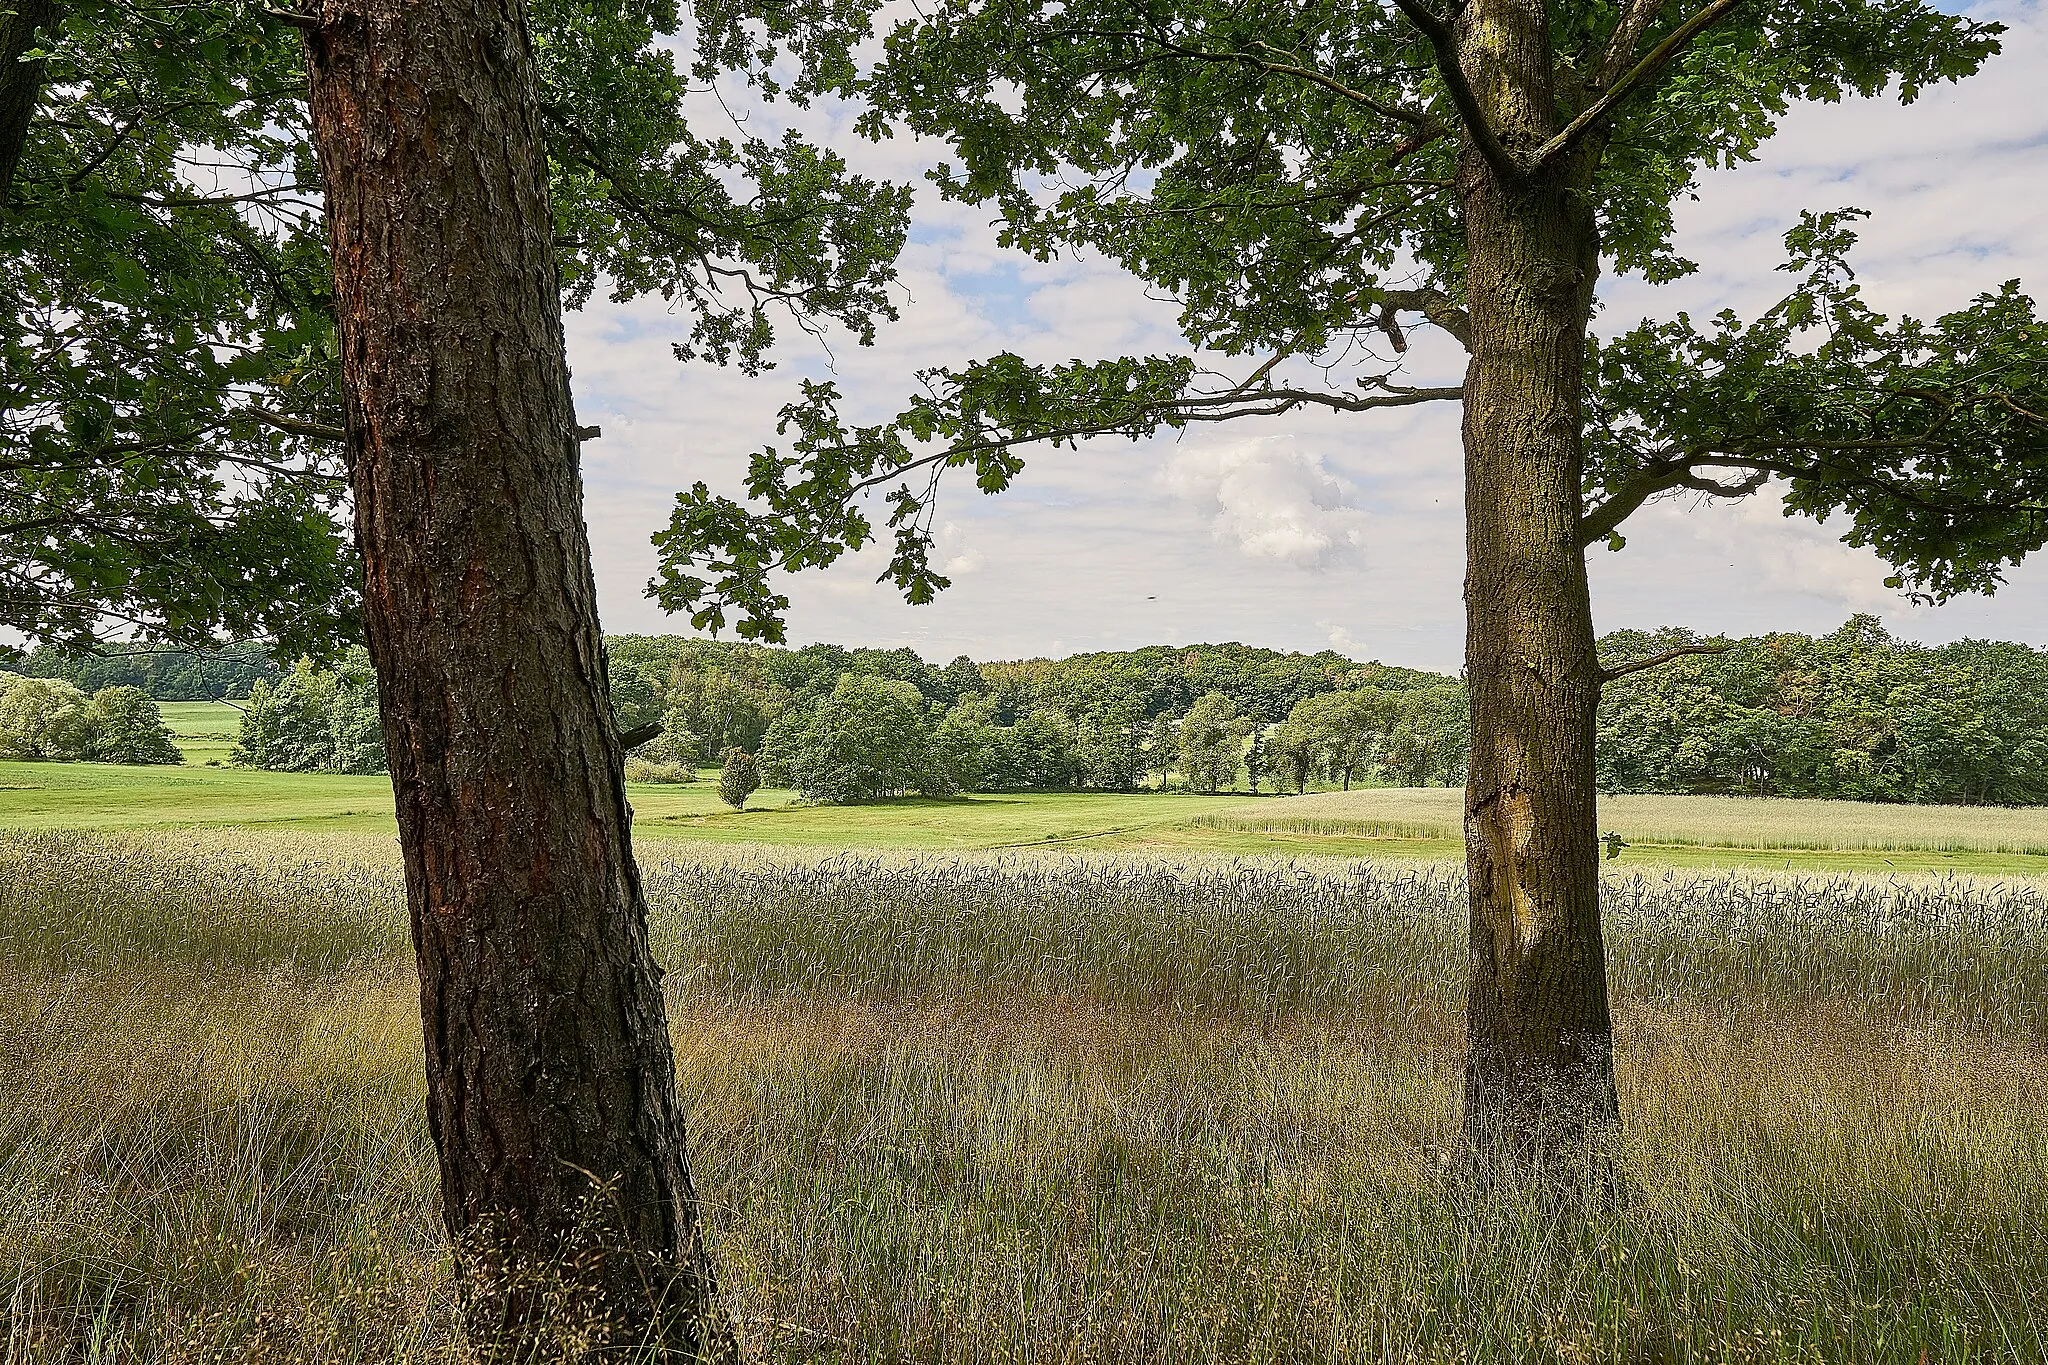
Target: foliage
[
  {"x": 49, "y": 720},
  {"x": 1432, "y": 742},
  {"x": 1291, "y": 178},
  {"x": 739, "y": 777},
  {"x": 128, "y": 728},
  {"x": 871, "y": 737},
  {"x": 1854, "y": 714},
  {"x": 314, "y": 720},
  {"x": 165, "y": 674},
  {"x": 43, "y": 721},
  {"x": 677, "y": 743},
  {"x": 635, "y": 700},
  {"x": 173, "y": 427},
  {"x": 1212, "y": 737},
  {"x": 167, "y": 355}
]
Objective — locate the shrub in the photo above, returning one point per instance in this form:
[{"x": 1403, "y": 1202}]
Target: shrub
[
  {"x": 738, "y": 779},
  {"x": 659, "y": 770}
]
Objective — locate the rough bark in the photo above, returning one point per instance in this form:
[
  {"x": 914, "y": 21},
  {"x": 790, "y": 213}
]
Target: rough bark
[
  {"x": 21, "y": 83},
  {"x": 1539, "y": 1079},
  {"x": 550, "y": 1081}
]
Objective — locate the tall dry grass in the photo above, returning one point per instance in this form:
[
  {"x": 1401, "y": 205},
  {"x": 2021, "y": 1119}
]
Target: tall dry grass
[
  {"x": 1678, "y": 821},
  {"x": 1047, "y": 1109}
]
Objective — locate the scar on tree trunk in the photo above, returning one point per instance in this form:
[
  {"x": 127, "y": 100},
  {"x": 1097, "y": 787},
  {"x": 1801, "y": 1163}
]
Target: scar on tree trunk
[{"x": 550, "y": 1081}]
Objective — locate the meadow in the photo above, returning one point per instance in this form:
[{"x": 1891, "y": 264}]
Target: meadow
[
  {"x": 1404, "y": 823},
  {"x": 970, "y": 1107}
]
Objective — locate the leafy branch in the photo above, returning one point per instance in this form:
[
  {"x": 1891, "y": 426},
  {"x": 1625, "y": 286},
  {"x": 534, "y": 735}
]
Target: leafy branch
[{"x": 978, "y": 419}]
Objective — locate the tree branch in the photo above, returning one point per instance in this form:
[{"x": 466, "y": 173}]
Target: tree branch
[
  {"x": 294, "y": 426},
  {"x": 1439, "y": 307},
  {"x": 1608, "y": 675},
  {"x": 1642, "y": 72},
  {"x": 1411, "y": 117},
  {"x": 1621, "y": 43},
  {"x": 639, "y": 735},
  {"x": 1444, "y": 43}
]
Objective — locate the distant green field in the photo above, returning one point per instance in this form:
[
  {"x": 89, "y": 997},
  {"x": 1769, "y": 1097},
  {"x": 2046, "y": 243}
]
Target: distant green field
[
  {"x": 107, "y": 796},
  {"x": 1675, "y": 831},
  {"x": 205, "y": 730}
]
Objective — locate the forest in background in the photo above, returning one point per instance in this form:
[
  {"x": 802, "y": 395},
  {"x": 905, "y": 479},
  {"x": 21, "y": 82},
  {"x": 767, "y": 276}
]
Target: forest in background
[{"x": 1855, "y": 714}]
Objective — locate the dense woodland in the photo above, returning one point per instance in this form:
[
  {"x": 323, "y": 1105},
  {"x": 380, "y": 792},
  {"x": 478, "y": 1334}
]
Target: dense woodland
[
  {"x": 1856, "y": 714},
  {"x": 166, "y": 674}
]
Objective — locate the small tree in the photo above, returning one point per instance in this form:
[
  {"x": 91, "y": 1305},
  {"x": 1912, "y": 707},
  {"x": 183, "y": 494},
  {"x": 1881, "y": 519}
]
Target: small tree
[
  {"x": 1162, "y": 748},
  {"x": 738, "y": 778},
  {"x": 1255, "y": 759},
  {"x": 1211, "y": 740},
  {"x": 128, "y": 727},
  {"x": 964, "y": 745},
  {"x": 1294, "y": 755},
  {"x": 1109, "y": 751},
  {"x": 1046, "y": 743}
]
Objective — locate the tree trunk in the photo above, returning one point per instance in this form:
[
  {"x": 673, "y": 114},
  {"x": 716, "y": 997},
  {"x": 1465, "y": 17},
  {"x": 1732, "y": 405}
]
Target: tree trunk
[
  {"x": 550, "y": 1081},
  {"x": 21, "y": 83},
  {"x": 1539, "y": 1077}
]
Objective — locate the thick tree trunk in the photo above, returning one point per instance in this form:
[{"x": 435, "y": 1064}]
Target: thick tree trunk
[
  {"x": 550, "y": 1082},
  {"x": 1539, "y": 1078},
  {"x": 21, "y": 83}
]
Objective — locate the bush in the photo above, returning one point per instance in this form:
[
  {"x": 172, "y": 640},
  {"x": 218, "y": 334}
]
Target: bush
[
  {"x": 659, "y": 770},
  {"x": 738, "y": 779}
]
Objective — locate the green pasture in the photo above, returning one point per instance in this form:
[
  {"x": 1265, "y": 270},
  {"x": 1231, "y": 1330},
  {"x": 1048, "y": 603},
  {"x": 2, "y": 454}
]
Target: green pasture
[
  {"x": 1667, "y": 831},
  {"x": 204, "y": 730}
]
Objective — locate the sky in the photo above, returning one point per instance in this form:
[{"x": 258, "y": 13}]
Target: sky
[{"x": 1317, "y": 530}]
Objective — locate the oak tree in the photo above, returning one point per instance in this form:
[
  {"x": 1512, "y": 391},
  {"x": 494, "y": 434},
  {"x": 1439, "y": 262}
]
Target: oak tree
[{"x": 1311, "y": 178}]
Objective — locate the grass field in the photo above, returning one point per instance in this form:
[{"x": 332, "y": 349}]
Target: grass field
[
  {"x": 205, "y": 730},
  {"x": 1040, "y": 1107},
  {"x": 1681, "y": 831}
]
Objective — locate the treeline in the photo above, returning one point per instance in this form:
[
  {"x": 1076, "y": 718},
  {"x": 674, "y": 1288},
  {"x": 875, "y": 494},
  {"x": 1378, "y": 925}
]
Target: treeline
[
  {"x": 1854, "y": 714},
  {"x": 165, "y": 674}
]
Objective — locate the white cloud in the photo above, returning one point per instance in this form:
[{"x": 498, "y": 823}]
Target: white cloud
[{"x": 1271, "y": 500}]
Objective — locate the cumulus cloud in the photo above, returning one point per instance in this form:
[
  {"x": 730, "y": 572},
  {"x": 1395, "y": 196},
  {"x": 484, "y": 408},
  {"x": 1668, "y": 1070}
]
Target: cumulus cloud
[{"x": 1271, "y": 500}]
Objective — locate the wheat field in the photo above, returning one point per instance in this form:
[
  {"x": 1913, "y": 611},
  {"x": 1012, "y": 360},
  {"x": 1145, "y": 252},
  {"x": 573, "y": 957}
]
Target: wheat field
[
  {"x": 1673, "y": 821},
  {"x": 1046, "y": 1108}
]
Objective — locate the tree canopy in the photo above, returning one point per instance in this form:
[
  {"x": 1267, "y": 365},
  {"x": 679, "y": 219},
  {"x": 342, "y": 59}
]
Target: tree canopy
[
  {"x": 170, "y": 426},
  {"x": 1289, "y": 176}
]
